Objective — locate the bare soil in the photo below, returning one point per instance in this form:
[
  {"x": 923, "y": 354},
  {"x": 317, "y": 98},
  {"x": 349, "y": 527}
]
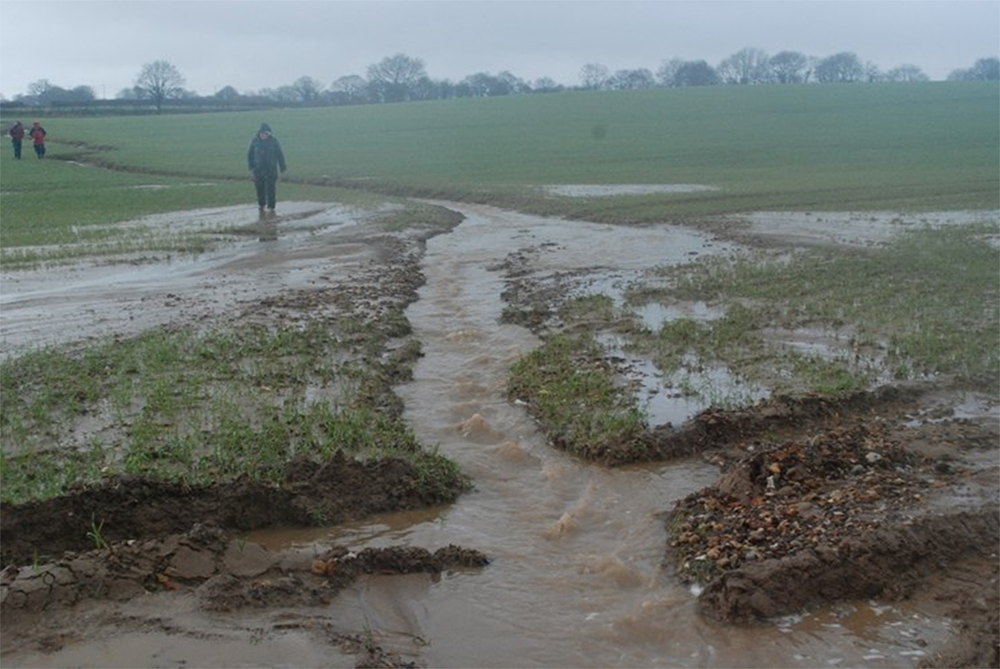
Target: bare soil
[
  {"x": 891, "y": 494},
  {"x": 856, "y": 501}
]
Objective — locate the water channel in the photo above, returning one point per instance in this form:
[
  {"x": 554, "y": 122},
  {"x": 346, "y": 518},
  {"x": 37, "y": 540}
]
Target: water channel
[{"x": 577, "y": 576}]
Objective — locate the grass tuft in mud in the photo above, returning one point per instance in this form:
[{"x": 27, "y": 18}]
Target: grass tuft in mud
[{"x": 573, "y": 391}]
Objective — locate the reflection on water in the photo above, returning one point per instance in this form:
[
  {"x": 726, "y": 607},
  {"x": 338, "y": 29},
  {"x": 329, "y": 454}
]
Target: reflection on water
[
  {"x": 267, "y": 226},
  {"x": 655, "y": 315},
  {"x": 97, "y": 299}
]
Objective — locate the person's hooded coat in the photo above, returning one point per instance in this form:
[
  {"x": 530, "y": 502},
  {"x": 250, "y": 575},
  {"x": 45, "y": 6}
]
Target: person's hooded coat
[{"x": 265, "y": 157}]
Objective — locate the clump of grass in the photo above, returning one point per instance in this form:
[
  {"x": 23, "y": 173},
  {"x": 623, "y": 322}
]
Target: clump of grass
[
  {"x": 437, "y": 476},
  {"x": 928, "y": 301},
  {"x": 589, "y": 308},
  {"x": 200, "y": 407},
  {"x": 96, "y": 534},
  {"x": 575, "y": 394}
]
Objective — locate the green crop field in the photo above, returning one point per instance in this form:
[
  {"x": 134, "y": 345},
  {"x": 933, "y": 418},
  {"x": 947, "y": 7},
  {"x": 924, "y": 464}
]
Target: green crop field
[
  {"x": 905, "y": 147},
  {"x": 929, "y": 299}
]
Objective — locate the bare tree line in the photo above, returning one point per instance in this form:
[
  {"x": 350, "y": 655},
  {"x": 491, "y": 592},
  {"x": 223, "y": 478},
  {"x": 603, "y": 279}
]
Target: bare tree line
[{"x": 400, "y": 77}]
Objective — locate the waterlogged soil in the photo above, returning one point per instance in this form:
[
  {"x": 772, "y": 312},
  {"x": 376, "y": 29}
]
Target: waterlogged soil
[
  {"x": 886, "y": 496},
  {"x": 862, "y": 499}
]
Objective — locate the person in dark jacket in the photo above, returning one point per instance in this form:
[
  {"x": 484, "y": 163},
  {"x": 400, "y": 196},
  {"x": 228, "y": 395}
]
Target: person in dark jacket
[
  {"x": 37, "y": 133},
  {"x": 265, "y": 158},
  {"x": 16, "y": 135}
]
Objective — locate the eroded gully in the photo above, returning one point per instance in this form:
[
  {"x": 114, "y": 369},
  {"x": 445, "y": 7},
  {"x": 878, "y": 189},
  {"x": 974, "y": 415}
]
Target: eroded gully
[{"x": 577, "y": 575}]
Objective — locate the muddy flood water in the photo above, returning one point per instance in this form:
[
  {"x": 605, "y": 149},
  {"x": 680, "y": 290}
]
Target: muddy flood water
[{"x": 576, "y": 577}]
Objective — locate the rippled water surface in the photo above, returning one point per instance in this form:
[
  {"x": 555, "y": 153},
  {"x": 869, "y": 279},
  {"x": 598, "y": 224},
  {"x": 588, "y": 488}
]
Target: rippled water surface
[{"x": 577, "y": 577}]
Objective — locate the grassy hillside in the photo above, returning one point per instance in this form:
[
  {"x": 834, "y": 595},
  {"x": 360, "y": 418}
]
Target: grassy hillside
[{"x": 892, "y": 146}]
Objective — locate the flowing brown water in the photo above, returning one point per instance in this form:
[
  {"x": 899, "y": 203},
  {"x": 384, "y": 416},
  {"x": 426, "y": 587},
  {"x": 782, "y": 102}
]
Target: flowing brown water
[{"x": 577, "y": 576}]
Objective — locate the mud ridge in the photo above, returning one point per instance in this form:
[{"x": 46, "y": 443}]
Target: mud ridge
[
  {"x": 132, "y": 508},
  {"x": 977, "y": 639},
  {"x": 863, "y": 506},
  {"x": 718, "y": 428},
  {"x": 888, "y": 563},
  {"x": 224, "y": 572}
]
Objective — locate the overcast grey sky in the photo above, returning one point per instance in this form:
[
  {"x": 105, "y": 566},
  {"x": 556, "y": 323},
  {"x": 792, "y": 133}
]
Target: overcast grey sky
[{"x": 256, "y": 44}]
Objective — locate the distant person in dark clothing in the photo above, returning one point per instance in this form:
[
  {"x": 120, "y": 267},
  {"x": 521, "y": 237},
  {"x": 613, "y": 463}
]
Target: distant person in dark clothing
[
  {"x": 38, "y": 138},
  {"x": 264, "y": 159},
  {"x": 16, "y": 135}
]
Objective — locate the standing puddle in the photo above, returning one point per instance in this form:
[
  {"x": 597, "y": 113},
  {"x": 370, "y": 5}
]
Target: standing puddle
[
  {"x": 576, "y": 577},
  {"x": 90, "y": 300}
]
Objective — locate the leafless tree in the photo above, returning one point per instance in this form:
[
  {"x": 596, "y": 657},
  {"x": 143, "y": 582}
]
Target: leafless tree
[
  {"x": 515, "y": 85},
  {"x": 484, "y": 84},
  {"x": 667, "y": 72},
  {"x": 630, "y": 80},
  {"x": 44, "y": 92},
  {"x": 746, "y": 66},
  {"x": 789, "y": 67},
  {"x": 546, "y": 85},
  {"x": 352, "y": 88},
  {"x": 309, "y": 90},
  {"x": 985, "y": 69},
  {"x": 426, "y": 88},
  {"x": 872, "y": 73},
  {"x": 159, "y": 81},
  {"x": 906, "y": 73},
  {"x": 840, "y": 68},
  {"x": 37, "y": 89},
  {"x": 594, "y": 76},
  {"x": 392, "y": 77}
]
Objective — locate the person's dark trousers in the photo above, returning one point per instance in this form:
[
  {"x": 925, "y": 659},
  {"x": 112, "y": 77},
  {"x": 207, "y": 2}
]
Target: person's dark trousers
[
  {"x": 267, "y": 189},
  {"x": 40, "y": 150},
  {"x": 17, "y": 148}
]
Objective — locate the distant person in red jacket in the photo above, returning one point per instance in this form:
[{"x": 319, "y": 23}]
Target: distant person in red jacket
[
  {"x": 38, "y": 138},
  {"x": 16, "y": 135}
]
